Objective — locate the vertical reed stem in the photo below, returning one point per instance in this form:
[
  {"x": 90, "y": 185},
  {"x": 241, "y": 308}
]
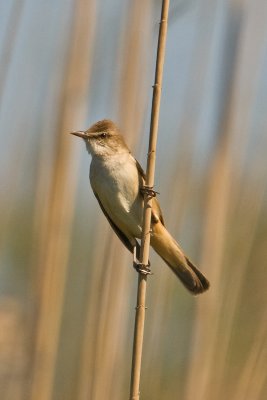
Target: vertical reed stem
[{"x": 151, "y": 158}]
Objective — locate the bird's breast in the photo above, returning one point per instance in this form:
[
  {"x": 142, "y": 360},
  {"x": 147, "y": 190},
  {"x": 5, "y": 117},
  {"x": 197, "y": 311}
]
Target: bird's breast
[{"x": 116, "y": 182}]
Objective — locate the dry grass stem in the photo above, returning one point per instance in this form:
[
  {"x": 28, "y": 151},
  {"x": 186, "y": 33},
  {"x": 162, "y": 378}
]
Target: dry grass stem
[{"x": 145, "y": 242}]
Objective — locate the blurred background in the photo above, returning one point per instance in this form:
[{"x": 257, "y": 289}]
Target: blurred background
[{"x": 67, "y": 286}]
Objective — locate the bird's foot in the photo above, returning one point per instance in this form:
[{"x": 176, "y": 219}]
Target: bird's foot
[
  {"x": 149, "y": 191},
  {"x": 142, "y": 268}
]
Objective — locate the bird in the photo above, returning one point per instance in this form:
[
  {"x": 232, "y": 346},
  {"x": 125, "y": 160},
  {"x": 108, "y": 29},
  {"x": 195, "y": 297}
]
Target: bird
[{"x": 118, "y": 180}]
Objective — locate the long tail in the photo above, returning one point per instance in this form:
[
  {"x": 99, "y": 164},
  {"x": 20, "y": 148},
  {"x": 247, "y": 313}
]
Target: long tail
[{"x": 169, "y": 250}]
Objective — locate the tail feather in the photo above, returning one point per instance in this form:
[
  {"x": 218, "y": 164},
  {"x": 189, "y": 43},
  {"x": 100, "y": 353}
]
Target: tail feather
[{"x": 169, "y": 250}]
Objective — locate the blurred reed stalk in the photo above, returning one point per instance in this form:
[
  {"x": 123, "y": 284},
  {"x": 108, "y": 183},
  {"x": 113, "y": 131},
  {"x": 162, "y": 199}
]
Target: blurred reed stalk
[
  {"x": 150, "y": 173},
  {"x": 57, "y": 215},
  {"x": 225, "y": 203},
  {"x": 9, "y": 42},
  {"x": 253, "y": 374},
  {"x": 182, "y": 178},
  {"x": 17, "y": 156},
  {"x": 14, "y": 367}
]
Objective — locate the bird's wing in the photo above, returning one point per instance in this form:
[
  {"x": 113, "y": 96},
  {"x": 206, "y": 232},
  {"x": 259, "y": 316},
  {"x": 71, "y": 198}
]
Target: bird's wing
[
  {"x": 156, "y": 211},
  {"x": 118, "y": 232}
]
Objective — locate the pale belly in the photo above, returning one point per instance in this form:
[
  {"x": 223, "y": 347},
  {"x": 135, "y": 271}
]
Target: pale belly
[{"x": 116, "y": 183}]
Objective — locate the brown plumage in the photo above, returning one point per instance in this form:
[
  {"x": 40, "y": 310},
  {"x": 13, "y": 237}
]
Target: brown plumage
[{"x": 116, "y": 179}]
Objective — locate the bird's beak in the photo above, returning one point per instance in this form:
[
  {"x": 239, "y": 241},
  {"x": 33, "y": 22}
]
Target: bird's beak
[{"x": 81, "y": 134}]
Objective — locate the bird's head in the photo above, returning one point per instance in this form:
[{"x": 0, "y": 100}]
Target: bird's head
[{"x": 103, "y": 139}]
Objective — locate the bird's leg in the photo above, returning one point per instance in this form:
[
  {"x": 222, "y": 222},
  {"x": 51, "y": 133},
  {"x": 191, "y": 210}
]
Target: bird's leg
[
  {"x": 139, "y": 267},
  {"x": 148, "y": 190}
]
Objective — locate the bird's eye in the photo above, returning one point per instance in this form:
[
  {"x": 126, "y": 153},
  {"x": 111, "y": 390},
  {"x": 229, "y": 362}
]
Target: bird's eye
[{"x": 103, "y": 135}]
